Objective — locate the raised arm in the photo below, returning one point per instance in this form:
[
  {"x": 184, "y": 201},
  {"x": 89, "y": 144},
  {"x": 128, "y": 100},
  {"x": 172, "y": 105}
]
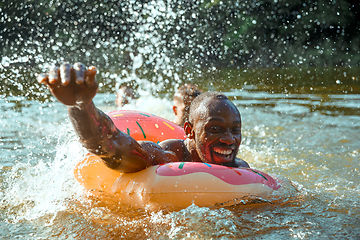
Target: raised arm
[
  {"x": 75, "y": 86},
  {"x": 99, "y": 135}
]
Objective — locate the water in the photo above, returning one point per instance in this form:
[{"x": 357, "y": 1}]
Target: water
[
  {"x": 294, "y": 79},
  {"x": 310, "y": 139}
]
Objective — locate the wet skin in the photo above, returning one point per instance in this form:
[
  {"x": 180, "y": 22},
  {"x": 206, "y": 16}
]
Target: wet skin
[
  {"x": 213, "y": 137},
  {"x": 216, "y": 132},
  {"x": 181, "y": 115},
  {"x": 75, "y": 86}
]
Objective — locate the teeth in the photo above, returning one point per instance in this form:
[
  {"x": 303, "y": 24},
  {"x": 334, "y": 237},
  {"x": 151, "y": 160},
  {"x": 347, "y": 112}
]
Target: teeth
[{"x": 224, "y": 152}]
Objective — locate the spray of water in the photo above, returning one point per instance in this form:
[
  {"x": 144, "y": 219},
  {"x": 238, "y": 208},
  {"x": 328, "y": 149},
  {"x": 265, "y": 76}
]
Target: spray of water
[
  {"x": 36, "y": 190},
  {"x": 46, "y": 189}
]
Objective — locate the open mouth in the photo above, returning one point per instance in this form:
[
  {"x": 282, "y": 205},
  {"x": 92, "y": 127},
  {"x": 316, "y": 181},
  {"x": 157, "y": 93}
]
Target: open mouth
[{"x": 223, "y": 155}]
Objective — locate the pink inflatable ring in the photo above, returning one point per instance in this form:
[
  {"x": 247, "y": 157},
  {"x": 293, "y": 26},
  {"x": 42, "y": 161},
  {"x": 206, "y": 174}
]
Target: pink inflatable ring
[{"x": 177, "y": 184}]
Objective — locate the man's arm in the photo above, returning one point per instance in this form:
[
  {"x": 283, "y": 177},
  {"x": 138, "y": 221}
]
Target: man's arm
[
  {"x": 75, "y": 86},
  {"x": 99, "y": 136}
]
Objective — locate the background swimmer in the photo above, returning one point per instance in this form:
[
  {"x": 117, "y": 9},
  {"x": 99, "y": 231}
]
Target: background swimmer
[
  {"x": 124, "y": 94},
  {"x": 182, "y": 100}
]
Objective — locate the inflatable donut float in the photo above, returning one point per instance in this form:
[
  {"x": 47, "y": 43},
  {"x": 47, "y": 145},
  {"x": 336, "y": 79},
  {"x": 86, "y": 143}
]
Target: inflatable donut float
[
  {"x": 177, "y": 184},
  {"x": 146, "y": 127}
]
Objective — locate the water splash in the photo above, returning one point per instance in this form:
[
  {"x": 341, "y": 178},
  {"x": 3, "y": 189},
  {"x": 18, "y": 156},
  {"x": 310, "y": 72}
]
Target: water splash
[{"x": 36, "y": 190}]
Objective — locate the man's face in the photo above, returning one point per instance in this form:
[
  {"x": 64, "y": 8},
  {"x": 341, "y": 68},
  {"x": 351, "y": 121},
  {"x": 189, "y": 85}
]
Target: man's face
[
  {"x": 217, "y": 131},
  {"x": 178, "y": 108},
  {"x": 181, "y": 111},
  {"x": 124, "y": 95},
  {"x": 121, "y": 100}
]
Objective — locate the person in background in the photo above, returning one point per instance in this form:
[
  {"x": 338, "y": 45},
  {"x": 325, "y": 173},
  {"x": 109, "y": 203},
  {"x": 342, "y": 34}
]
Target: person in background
[
  {"x": 182, "y": 101},
  {"x": 124, "y": 94}
]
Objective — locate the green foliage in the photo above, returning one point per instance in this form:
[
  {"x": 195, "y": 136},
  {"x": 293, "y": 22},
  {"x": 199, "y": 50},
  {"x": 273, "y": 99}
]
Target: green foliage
[{"x": 193, "y": 34}]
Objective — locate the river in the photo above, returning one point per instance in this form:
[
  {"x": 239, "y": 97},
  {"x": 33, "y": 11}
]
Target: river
[{"x": 311, "y": 138}]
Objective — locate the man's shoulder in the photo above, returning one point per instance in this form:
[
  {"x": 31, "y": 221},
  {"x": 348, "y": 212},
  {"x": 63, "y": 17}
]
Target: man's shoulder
[
  {"x": 174, "y": 145},
  {"x": 241, "y": 163}
]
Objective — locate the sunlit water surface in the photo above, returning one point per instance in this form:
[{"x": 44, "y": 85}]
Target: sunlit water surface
[{"x": 312, "y": 140}]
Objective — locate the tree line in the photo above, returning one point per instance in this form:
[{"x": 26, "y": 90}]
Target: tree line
[{"x": 203, "y": 33}]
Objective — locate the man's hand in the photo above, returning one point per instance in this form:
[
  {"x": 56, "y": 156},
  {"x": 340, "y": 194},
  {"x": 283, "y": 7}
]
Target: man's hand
[{"x": 71, "y": 84}]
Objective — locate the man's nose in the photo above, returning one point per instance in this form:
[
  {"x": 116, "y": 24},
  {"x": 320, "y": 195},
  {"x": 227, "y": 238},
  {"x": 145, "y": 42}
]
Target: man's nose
[{"x": 227, "y": 138}]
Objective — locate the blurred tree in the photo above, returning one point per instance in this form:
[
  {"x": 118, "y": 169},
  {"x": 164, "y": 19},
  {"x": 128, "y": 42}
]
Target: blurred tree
[
  {"x": 266, "y": 33},
  {"x": 204, "y": 33},
  {"x": 67, "y": 30}
]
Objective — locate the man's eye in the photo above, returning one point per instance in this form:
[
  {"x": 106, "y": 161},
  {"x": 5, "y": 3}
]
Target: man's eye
[
  {"x": 236, "y": 130},
  {"x": 215, "y": 129}
]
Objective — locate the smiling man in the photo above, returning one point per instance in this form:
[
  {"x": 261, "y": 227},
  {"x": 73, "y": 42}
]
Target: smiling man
[{"x": 213, "y": 130}]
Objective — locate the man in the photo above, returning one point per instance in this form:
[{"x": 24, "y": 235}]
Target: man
[
  {"x": 182, "y": 101},
  {"x": 213, "y": 130},
  {"x": 124, "y": 94}
]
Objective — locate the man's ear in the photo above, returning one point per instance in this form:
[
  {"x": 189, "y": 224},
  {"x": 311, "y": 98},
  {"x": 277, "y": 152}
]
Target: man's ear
[
  {"x": 188, "y": 128},
  {"x": 175, "y": 110}
]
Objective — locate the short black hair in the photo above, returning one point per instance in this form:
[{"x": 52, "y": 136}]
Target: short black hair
[{"x": 202, "y": 97}]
